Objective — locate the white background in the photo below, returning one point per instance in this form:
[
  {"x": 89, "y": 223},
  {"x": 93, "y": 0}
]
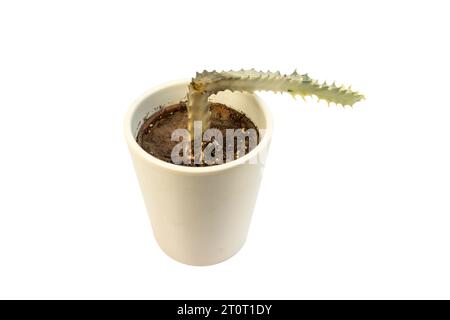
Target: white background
[{"x": 354, "y": 202}]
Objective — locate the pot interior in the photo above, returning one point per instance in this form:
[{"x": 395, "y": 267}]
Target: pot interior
[{"x": 171, "y": 94}]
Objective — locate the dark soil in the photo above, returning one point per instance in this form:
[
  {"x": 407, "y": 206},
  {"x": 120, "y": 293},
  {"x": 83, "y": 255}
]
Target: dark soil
[{"x": 155, "y": 134}]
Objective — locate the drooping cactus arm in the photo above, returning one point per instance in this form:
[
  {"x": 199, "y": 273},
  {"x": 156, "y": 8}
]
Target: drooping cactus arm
[{"x": 208, "y": 83}]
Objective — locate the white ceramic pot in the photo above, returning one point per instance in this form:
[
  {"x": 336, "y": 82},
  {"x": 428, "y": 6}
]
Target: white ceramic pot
[{"x": 199, "y": 216}]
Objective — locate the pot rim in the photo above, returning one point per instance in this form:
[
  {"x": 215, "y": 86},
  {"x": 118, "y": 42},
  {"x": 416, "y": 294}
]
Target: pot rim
[{"x": 132, "y": 143}]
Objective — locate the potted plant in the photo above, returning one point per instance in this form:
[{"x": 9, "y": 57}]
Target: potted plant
[{"x": 200, "y": 214}]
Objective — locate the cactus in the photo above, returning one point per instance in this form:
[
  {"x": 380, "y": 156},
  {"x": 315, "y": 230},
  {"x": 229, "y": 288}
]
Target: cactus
[{"x": 207, "y": 83}]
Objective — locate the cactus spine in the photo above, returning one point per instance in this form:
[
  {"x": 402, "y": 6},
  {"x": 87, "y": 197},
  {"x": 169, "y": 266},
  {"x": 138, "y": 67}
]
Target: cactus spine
[{"x": 207, "y": 83}]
